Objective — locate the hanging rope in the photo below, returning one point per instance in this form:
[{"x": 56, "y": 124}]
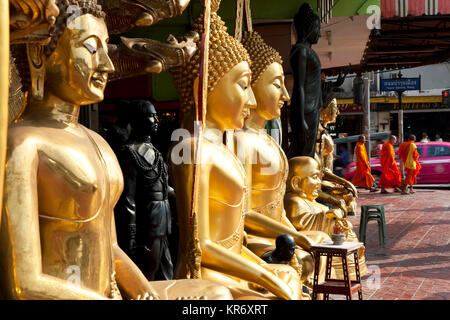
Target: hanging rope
[{"x": 239, "y": 18}]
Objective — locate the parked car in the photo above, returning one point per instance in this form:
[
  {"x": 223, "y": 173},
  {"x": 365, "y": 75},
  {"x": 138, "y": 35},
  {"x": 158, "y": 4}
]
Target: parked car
[{"x": 434, "y": 157}]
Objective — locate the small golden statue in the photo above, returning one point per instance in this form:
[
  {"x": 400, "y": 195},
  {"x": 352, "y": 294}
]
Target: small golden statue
[
  {"x": 335, "y": 190},
  {"x": 305, "y": 213},
  {"x": 265, "y": 162},
  {"x": 57, "y": 238},
  {"x": 211, "y": 241}
]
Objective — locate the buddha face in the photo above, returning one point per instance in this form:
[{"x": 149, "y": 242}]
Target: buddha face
[
  {"x": 230, "y": 100},
  {"x": 77, "y": 71},
  {"x": 311, "y": 183},
  {"x": 306, "y": 178},
  {"x": 331, "y": 112},
  {"x": 270, "y": 92},
  {"x": 314, "y": 33}
]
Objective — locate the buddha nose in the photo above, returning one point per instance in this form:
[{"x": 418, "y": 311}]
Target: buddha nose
[
  {"x": 285, "y": 95},
  {"x": 105, "y": 64},
  {"x": 251, "y": 100}
]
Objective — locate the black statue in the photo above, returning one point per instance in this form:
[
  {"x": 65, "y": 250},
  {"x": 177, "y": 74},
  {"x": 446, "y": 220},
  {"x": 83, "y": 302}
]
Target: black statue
[
  {"x": 285, "y": 249},
  {"x": 143, "y": 213},
  {"x": 306, "y": 95}
]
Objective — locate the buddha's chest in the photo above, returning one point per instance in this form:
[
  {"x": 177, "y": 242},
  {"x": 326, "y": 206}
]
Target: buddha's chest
[{"x": 76, "y": 180}]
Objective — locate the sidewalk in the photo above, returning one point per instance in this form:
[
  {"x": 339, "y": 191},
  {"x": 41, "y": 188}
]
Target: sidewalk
[{"x": 416, "y": 261}]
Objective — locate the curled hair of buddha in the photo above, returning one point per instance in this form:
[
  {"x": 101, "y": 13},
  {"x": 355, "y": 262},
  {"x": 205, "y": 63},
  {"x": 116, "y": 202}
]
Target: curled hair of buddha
[
  {"x": 225, "y": 52},
  {"x": 304, "y": 18},
  {"x": 261, "y": 54},
  {"x": 70, "y": 9}
]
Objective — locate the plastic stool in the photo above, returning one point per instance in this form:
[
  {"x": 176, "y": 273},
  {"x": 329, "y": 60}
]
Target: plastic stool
[{"x": 369, "y": 213}]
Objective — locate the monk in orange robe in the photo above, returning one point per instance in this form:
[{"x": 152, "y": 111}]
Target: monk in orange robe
[
  {"x": 390, "y": 176},
  {"x": 362, "y": 178},
  {"x": 407, "y": 152}
]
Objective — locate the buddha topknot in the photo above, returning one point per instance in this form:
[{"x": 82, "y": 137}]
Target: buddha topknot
[
  {"x": 68, "y": 9},
  {"x": 261, "y": 54},
  {"x": 225, "y": 52}
]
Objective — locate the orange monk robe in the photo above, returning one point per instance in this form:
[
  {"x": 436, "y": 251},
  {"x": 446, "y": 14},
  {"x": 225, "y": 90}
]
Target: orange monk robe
[
  {"x": 409, "y": 156},
  {"x": 363, "y": 177},
  {"x": 390, "y": 176}
]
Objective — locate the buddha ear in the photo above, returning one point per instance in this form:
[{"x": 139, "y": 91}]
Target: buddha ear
[
  {"x": 36, "y": 61},
  {"x": 296, "y": 184},
  {"x": 195, "y": 92}
]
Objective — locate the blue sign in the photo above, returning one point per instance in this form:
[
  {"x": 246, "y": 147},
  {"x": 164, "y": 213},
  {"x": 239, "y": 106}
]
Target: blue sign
[{"x": 401, "y": 84}]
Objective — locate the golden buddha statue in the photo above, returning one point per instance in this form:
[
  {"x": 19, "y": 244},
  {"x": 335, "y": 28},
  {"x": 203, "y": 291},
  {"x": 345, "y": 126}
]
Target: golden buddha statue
[
  {"x": 306, "y": 213},
  {"x": 57, "y": 237},
  {"x": 211, "y": 240},
  {"x": 335, "y": 190},
  {"x": 265, "y": 162}
]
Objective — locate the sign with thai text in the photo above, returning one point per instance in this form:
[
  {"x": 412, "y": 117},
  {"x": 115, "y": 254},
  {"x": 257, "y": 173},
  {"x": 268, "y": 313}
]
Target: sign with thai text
[{"x": 400, "y": 84}]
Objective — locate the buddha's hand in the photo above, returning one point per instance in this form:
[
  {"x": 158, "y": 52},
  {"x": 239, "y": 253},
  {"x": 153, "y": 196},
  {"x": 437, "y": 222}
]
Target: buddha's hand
[
  {"x": 350, "y": 187},
  {"x": 256, "y": 287},
  {"x": 337, "y": 214}
]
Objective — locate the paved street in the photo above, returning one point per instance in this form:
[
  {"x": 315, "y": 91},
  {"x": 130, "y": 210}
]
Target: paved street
[{"x": 415, "y": 264}]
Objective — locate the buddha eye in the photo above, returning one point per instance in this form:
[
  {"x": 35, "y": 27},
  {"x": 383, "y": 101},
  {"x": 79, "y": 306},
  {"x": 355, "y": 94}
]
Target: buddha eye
[
  {"x": 277, "y": 84},
  {"x": 242, "y": 84},
  {"x": 90, "y": 48}
]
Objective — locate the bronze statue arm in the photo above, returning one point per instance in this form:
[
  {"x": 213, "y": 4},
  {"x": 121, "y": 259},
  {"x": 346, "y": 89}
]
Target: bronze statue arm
[
  {"x": 130, "y": 280},
  {"x": 340, "y": 203},
  {"x": 302, "y": 57},
  {"x": 126, "y": 207},
  {"x": 22, "y": 215}
]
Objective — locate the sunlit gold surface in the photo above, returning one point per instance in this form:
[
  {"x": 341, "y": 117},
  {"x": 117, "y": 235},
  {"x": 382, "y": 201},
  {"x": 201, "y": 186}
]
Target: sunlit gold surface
[
  {"x": 267, "y": 168},
  {"x": 58, "y": 238},
  {"x": 222, "y": 199},
  {"x": 4, "y": 86}
]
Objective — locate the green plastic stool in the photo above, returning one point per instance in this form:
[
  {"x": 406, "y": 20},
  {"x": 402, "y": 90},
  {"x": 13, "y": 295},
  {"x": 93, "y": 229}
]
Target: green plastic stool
[{"x": 369, "y": 213}]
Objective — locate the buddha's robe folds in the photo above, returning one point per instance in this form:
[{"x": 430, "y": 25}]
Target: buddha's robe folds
[
  {"x": 362, "y": 178},
  {"x": 408, "y": 154},
  {"x": 390, "y": 176}
]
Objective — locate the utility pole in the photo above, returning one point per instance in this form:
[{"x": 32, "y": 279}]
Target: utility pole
[
  {"x": 400, "y": 123},
  {"x": 400, "y": 112},
  {"x": 366, "y": 109}
]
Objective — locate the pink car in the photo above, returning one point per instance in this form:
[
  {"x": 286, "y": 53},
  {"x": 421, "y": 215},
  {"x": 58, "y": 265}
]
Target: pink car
[{"x": 434, "y": 157}]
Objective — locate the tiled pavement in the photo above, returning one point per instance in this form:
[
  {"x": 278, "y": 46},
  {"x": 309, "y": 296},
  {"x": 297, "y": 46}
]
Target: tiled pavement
[{"x": 415, "y": 264}]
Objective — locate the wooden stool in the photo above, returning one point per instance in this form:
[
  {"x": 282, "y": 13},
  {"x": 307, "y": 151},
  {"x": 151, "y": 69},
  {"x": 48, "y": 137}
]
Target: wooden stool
[{"x": 336, "y": 286}]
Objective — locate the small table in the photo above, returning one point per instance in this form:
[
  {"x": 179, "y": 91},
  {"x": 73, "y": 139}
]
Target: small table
[{"x": 336, "y": 286}]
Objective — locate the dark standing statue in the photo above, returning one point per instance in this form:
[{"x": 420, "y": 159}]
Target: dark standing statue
[
  {"x": 307, "y": 95},
  {"x": 143, "y": 213}
]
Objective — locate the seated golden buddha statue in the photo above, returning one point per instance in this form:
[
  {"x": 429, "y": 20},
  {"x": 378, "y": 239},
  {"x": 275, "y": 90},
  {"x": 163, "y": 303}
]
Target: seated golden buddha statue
[
  {"x": 264, "y": 160},
  {"x": 305, "y": 213},
  {"x": 335, "y": 190},
  {"x": 57, "y": 238},
  {"x": 211, "y": 240}
]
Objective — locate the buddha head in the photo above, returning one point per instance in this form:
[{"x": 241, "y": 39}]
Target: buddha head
[
  {"x": 229, "y": 79},
  {"x": 307, "y": 24},
  {"x": 304, "y": 177},
  {"x": 267, "y": 76},
  {"x": 75, "y": 63},
  {"x": 329, "y": 111}
]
